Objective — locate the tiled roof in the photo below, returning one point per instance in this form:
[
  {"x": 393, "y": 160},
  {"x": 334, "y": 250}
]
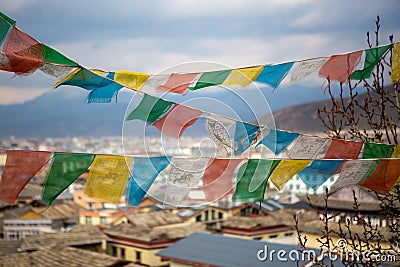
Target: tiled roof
[
  {"x": 340, "y": 204},
  {"x": 154, "y": 218},
  {"x": 75, "y": 237},
  {"x": 147, "y": 234},
  {"x": 61, "y": 211},
  {"x": 59, "y": 257},
  {"x": 8, "y": 246}
]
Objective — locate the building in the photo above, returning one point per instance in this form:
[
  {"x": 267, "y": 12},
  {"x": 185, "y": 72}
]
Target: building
[
  {"x": 200, "y": 249},
  {"x": 140, "y": 244}
]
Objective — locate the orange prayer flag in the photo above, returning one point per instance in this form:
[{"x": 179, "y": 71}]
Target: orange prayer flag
[
  {"x": 20, "y": 167},
  {"x": 175, "y": 122},
  {"x": 339, "y": 67},
  {"x": 384, "y": 177},
  {"x": 217, "y": 179},
  {"x": 342, "y": 149}
]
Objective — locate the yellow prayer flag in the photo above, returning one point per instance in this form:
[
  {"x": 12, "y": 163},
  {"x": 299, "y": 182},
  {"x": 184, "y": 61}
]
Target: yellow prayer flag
[
  {"x": 396, "y": 152},
  {"x": 243, "y": 76},
  {"x": 285, "y": 170},
  {"x": 395, "y": 76},
  {"x": 66, "y": 78},
  {"x": 107, "y": 177},
  {"x": 132, "y": 80}
]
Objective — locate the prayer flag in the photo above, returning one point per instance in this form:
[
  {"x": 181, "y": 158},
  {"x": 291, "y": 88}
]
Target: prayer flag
[
  {"x": 217, "y": 180},
  {"x": 144, "y": 172},
  {"x": 107, "y": 177},
  {"x": 342, "y": 149},
  {"x": 178, "y": 83},
  {"x": 305, "y": 68},
  {"x": 150, "y": 109},
  {"x": 254, "y": 171},
  {"x": 4, "y": 29},
  {"x": 131, "y": 80},
  {"x": 20, "y": 167},
  {"x": 374, "y": 150},
  {"x": 185, "y": 174},
  {"x": 65, "y": 168},
  {"x": 339, "y": 67},
  {"x": 211, "y": 78},
  {"x": 23, "y": 52},
  {"x": 396, "y": 152},
  {"x": 243, "y": 76},
  {"x": 354, "y": 172},
  {"x": 395, "y": 76},
  {"x": 51, "y": 55},
  {"x": 175, "y": 122},
  {"x": 286, "y": 170},
  {"x": 307, "y": 147},
  {"x": 245, "y": 134},
  {"x": 7, "y": 19},
  {"x": 58, "y": 71},
  {"x": 319, "y": 171},
  {"x": 384, "y": 177},
  {"x": 274, "y": 74},
  {"x": 372, "y": 57},
  {"x": 277, "y": 140},
  {"x": 218, "y": 128}
]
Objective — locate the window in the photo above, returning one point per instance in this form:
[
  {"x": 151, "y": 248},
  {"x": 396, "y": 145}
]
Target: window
[
  {"x": 88, "y": 220},
  {"x": 103, "y": 220},
  {"x": 288, "y": 234},
  {"x": 220, "y": 215},
  {"x": 198, "y": 218},
  {"x": 206, "y": 215},
  {"x": 257, "y": 238},
  {"x": 122, "y": 253},
  {"x": 212, "y": 214},
  {"x": 273, "y": 236},
  {"x": 113, "y": 251},
  {"x": 90, "y": 206},
  {"x": 138, "y": 256}
]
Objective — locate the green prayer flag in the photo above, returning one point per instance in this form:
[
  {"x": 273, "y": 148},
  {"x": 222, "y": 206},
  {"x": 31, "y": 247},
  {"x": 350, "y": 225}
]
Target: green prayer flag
[
  {"x": 4, "y": 29},
  {"x": 53, "y": 56},
  {"x": 372, "y": 57},
  {"x": 64, "y": 170},
  {"x": 149, "y": 109},
  {"x": 373, "y": 150},
  {"x": 254, "y": 171},
  {"x": 211, "y": 78},
  {"x": 7, "y": 19}
]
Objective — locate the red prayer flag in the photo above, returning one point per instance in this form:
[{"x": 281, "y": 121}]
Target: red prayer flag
[
  {"x": 23, "y": 52},
  {"x": 175, "y": 122},
  {"x": 384, "y": 177},
  {"x": 178, "y": 83},
  {"x": 342, "y": 149},
  {"x": 217, "y": 178},
  {"x": 339, "y": 67},
  {"x": 20, "y": 167}
]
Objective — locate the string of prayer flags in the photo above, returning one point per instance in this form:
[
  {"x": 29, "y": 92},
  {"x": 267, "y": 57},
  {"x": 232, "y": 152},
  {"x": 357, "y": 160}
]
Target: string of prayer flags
[
  {"x": 304, "y": 68},
  {"x": 144, "y": 172},
  {"x": 395, "y": 75},
  {"x": 65, "y": 168},
  {"x": 243, "y": 76},
  {"x": 5, "y": 25},
  {"x": 374, "y": 150},
  {"x": 285, "y": 170},
  {"x": 210, "y": 79},
  {"x": 20, "y": 167},
  {"x": 177, "y": 119},
  {"x": 273, "y": 75},
  {"x": 372, "y": 57},
  {"x": 217, "y": 178},
  {"x": 339, "y": 67},
  {"x": 150, "y": 109},
  {"x": 130, "y": 79},
  {"x": 307, "y": 147},
  {"x": 244, "y": 136},
  {"x": 107, "y": 177},
  {"x": 277, "y": 140},
  {"x": 218, "y": 129},
  {"x": 315, "y": 174},
  {"x": 50, "y": 55},
  {"x": 254, "y": 171},
  {"x": 185, "y": 174},
  {"x": 342, "y": 149},
  {"x": 178, "y": 83},
  {"x": 354, "y": 172},
  {"x": 384, "y": 177},
  {"x": 24, "y": 53}
]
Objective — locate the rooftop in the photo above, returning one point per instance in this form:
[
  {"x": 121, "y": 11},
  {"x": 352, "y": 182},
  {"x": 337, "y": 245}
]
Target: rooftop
[{"x": 154, "y": 218}]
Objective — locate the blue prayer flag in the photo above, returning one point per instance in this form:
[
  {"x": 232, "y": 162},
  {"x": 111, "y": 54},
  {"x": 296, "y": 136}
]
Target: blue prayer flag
[
  {"x": 274, "y": 74},
  {"x": 145, "y": 170},
  {"x": 244, "y": 136},
  {"x": 315, "y": 174},
  {"x": 278, "y": 140}
]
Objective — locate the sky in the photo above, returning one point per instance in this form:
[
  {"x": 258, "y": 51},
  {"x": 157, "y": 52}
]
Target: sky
[{"x": 151, "y": 36}]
